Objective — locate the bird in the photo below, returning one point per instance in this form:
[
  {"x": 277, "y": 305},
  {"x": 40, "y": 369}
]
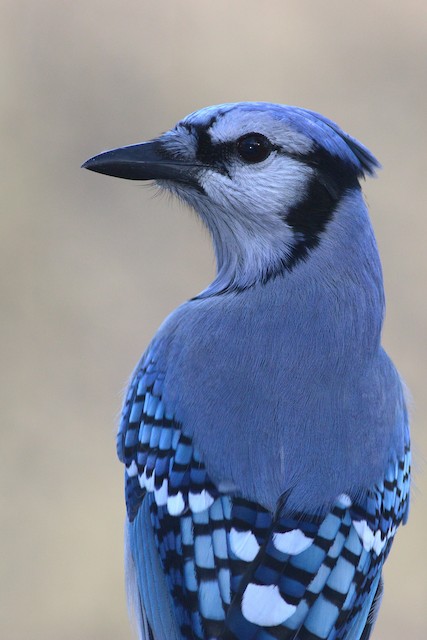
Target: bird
[{"x": 264, "y": 432}]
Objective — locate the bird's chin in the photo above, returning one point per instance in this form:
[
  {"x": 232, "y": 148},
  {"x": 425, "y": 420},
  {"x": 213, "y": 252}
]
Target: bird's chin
[{"x": 185, "y": 189}]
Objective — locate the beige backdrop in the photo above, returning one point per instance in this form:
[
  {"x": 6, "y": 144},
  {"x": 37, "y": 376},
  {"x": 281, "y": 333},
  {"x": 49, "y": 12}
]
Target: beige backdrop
[{"x": 91, "y": 265}]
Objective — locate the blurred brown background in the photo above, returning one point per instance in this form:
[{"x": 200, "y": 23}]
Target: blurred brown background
[{"x": 90, "y": 265}]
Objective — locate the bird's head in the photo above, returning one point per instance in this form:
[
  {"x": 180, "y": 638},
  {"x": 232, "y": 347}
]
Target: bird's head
[{"x": 266, "y": 180}]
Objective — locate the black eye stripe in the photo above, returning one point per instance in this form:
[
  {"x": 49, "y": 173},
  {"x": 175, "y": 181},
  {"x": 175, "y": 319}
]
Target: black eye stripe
[
  {"x": 251, "y": 148},
  {"x": 219, "y": 156}
]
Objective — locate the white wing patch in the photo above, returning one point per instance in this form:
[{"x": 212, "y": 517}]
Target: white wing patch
[
  {"x": 365, "y": 534},
  {"x": 263, "y": 605},
  {"x": 132, "y": 469},
  {"x": 292, "y": 542},
  {"x": 161, "y": 495},
  {"x": 244, "y": 544},
  {"x": 345, "y": 500},
  {"x": 176, "y": 504},
  {"x": 200, "y": 501},
  {"x": 370, "y": 540}
]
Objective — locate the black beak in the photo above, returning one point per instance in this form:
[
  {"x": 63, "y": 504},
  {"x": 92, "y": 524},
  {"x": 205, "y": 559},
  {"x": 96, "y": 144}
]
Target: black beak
[{"x": 145, "y": 161}]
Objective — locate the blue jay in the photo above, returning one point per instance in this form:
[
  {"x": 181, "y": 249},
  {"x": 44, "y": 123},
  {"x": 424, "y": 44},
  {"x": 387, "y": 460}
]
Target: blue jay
[{"x": 264, "y": 432}]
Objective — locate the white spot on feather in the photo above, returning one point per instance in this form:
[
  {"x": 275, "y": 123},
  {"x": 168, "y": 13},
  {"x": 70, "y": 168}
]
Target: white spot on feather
[
  {"x": 176, "y": 504},
  {"x": 263, "y": 605},
  {"x": 365, "y": 534},
  {"x": 379, "y": 543},
  {"x": 161, "y": 494},
  {"x": 244, "y": 544},
  {"x": 149, "y": 482},
  {"x": 345, "y": 500},
  {"x": 199, "y": 501},
  {"x": 292, "y": 542},
  {"x": 132, "y": 469}
]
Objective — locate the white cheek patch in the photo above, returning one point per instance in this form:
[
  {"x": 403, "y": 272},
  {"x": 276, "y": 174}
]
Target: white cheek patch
[
  {"x": 267, "y": 189},
  {"x": 263, "y": 605},
  {"x": 279, "y": 185}
]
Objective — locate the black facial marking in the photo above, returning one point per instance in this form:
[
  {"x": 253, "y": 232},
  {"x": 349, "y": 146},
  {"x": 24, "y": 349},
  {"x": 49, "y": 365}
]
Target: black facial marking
[
  {"x": 210, "y": 154},
  {"x": 207, "y": 152},
  {"x": 331, "y": 179}
]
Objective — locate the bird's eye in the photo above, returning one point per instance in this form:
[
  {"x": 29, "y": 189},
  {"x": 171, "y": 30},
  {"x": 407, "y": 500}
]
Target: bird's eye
[{"x": 253, "y": 147}]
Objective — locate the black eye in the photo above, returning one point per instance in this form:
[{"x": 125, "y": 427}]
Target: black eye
[{"x": 253, "y": 147}]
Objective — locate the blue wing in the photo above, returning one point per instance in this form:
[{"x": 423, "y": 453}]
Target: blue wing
[
  {"x": 194, "y": 526},
  {"x": 211, "y": 565},
  {"x": 318, "y": 579}
]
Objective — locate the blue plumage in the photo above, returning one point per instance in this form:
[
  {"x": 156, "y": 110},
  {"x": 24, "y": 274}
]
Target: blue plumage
[{"x": 264, "y": 432}]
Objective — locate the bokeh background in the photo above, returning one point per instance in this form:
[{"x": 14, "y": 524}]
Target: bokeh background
[{"x": 90, "y": 265}]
